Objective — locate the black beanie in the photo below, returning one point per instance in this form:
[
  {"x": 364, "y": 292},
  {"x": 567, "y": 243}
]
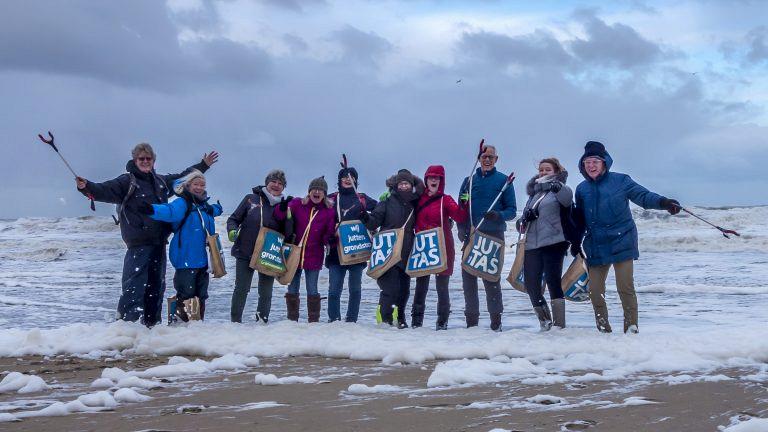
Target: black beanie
[
  {"x": 594, "y": 149},
  {"x": 344, "y": 172}
]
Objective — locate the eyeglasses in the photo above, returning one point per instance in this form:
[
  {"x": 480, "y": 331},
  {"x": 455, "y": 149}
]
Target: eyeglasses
[
  {"x": 487, "y": 157},
  {"x": 144, "y": 158}
]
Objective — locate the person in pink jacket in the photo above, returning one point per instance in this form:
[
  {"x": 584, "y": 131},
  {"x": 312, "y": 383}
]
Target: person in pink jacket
[
  {"x": 313, "y": 212},
  {"x": 428, "y": 216}
]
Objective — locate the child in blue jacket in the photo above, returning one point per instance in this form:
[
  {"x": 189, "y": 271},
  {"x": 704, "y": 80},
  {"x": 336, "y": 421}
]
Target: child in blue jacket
[{"x": 187, "y": 214}]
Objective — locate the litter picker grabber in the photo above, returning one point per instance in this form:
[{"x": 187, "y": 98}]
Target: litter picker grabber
[
  {"x": 345, "y": 165},
  {"x": 472, "y": 174},
  {"x": 722, "y": 230},
  {"x": 51, "y": 143},
  {"x": 510, "y": 178}
]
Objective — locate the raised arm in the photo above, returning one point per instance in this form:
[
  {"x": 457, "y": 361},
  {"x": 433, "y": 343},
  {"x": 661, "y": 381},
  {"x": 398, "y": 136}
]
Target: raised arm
[
  {"x": 171, "y": 212},
  {"x": 111, "y": 191}
]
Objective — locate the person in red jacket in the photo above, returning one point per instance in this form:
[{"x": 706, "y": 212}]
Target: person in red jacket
[
  {"x": 428, "y": 216},
  {"x": 312, "y": 213}
]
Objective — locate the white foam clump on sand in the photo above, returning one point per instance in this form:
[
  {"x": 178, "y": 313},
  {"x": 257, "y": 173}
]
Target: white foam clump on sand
[
  {"x": 546, "y": 400},
  {"x": 573, "y": 349},
  {"x": 21, "y": 383},
  {"x": 751, "y": 425},
  {"x": 259, "y": 405},
  {"x": 98, "y": 399},
  {"x": 477, "y": 371},
  {"x": 177, "y": 366},
  {"x": 270, "y": 379},
  {"x": 630, "y": 401},
  {"x": 362, "y": 389},
  {"x": 130, "y": 395}
]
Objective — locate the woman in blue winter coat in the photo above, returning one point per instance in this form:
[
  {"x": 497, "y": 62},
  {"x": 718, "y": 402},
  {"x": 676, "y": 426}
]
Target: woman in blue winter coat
[
  {"x": 611, "y": 234},
  {"x": 191, "y": 218}
]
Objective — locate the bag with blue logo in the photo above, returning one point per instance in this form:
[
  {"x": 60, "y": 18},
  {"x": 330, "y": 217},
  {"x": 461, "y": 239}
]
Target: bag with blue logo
[
  {"x": 386, "y": 250},
  {"x": 428, "y": 255}
]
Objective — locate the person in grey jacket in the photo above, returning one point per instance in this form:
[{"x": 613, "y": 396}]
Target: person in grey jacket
[{"x": 545, "y": 240}]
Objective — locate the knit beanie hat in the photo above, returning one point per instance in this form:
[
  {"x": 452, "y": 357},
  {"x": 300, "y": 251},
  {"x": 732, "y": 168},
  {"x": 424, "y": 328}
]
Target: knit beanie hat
[
  {"x": 404, "y": 175},
  {"x": 595, "y": 149},
  {"x": 276, "y": 175},
  {"x": 344, "y": 172},
  {"x": 181, "y": 183},
  {"x": 318, "y": 183}
]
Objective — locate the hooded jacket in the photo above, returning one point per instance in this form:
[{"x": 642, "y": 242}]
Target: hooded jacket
[
  {"x": 138, "y": 229},
  {"x": 485, "y": 187},
  {"x": 428, "y": 213},
  {"x": 393, "y": 213},
  {"x": 346, "y": 206},
  {"x": 320, "y": 232},
  {"x": 187, "y": 248},
  {"x": 247, "y": 218},
  {"x": 547, "y": 229},
  {"x": 611, "y": 233}
]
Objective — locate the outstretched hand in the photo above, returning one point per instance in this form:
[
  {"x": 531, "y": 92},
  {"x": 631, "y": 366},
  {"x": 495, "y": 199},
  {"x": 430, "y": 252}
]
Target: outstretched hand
[
  {"x": 81, "y": 182},
  {"x": 211, "y": 158},
  {"x": 671, "y": 205}
]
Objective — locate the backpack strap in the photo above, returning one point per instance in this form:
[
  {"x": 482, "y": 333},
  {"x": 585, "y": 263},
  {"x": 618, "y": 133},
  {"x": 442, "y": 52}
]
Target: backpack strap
[{"x": 132, "y": 186}]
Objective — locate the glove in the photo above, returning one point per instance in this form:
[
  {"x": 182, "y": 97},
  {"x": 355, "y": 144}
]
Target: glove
[
  {"x": 555, "y": 186},
  {"x": 575, "y": 249},
  {"x": 283, "y": 205},
  {"x": 232, "y": 234},
  {"x": 145, "y": 208},
  {"x": 464, "y": 198},
  {"x": 384, "y": 196},
  {"x": 208, "y": 208},
  {"x": 463, "y": 234},
  {"x": 530, "y": 215},
  {"x": 493, "y": 215},
  {"x": 671, "y": 205}
]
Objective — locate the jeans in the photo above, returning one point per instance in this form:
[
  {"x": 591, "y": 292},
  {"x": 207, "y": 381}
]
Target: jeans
[
  {"x": 243, "y": 280},
  {"x": 310, "y": 282},
  {"x": 336, "y": 275},
  {"x": 143, "y": 285},
  {"x": 546, "y": 261}
]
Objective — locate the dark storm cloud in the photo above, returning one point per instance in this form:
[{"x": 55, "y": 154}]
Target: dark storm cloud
[
  {"x": 364, "y": 48},
  {"x": 613, "y": 45},
  {"x": 132, "y": 46},
  {"x": 294, "y": 5},
  {"x": 757, "y": 39},
  {"x": 536, "y": 49}
]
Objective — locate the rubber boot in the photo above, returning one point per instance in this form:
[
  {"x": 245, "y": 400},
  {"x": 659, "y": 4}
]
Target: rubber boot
[
  {"x": 313, "y": 308},
  {"x": 545, "y": 319},
  {"x": 181, "y": 313},
  {"x": 442, "y": 322},
  {"x": 496, "y": 322},
  {"x": 292, "y": 303},
  {"x": 558, "y": 313},
  {"x": 417, "y": 315},
  {"x": 472, "y": 320},
  {"x": 401, "y": 323},
  {"x": 261, "y": 318},
  {"x": 202, "y": 310}
]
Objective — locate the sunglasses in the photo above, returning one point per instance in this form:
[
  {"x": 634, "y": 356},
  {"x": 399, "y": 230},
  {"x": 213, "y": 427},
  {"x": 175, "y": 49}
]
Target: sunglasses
[
  {"x": 144, "y": 159},
  {"x": 488, "y": 157}
]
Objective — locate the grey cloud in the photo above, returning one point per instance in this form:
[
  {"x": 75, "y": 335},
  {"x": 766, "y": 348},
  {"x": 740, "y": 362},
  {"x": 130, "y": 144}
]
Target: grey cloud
[
  {"x": 295, "y": 43},
  {"x": 539, "y": 48},
  {"x": 361, "y": 47},
  {"x": 132, "y": 46},
  {"x": 294, "y": 5},
  {"x": 613, "y": 45},
  {"x": 757, "y": 39}
]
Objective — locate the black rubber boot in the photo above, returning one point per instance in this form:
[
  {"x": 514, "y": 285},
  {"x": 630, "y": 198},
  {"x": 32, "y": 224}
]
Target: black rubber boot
[
  {"x": 417, "y": 315},
  {"x": 496, "y": 322}
]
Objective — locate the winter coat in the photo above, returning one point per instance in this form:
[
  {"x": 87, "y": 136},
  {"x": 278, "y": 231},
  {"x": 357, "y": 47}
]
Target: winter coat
[
  {"x": 547, "y": 229},
  {"x": 485, "y": 187},
  {"x": 346, "y": 206},
  {"x": 247, "y": 218},
  {"x": 320, "y": 232},
  {"x": 611, "y": 234},
  {"x": 187, "y": 248},
  {"x": 392, "y": 213},
  {"x": 138, "y": 229},
  {"x": 428, "y": 214}
]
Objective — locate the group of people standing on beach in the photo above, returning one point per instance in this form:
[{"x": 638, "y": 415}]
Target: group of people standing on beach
[{"x": 598, "y": 224}]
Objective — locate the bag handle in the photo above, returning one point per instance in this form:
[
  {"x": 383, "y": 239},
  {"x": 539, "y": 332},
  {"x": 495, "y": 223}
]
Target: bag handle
[
  {"x": 312, "y": 215},
  {"x": 441, "y": 211},
  {"x": 409, "y": 218},
  {"x": 202, "y": 222}
]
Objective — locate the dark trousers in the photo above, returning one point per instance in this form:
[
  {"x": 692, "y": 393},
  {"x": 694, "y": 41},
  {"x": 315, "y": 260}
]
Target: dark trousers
[
  {"x": 546, "y": 262},
  {"x": 395, "y": 286},
  {"x": 243, "y": 280},
  {"x": 191, "y": 283},
  {"x": 143, "y": 285},
  {"x": 443, "y": 299},
  {"x": 472, "y": 300}
]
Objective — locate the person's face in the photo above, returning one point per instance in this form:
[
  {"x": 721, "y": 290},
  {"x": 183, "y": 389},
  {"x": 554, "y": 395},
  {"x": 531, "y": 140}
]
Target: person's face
[
  {"x": 404, "y": 186},
  {"x": 488, "y": 159},
  {"x": 145, "y": 162},
  {"x": 546, "y": 169},
  {"x": 346, "y": 182},
  {"x": 433, "y": 183},
  {"x": 275, "y": 187},
  {"x": 316, "y": 195},
  {"x": 594, "y": 167},
  {"x": 197, "y": 186}
]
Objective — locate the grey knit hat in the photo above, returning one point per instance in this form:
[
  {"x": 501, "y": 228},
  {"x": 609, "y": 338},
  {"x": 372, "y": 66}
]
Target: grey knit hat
[
  {"x": 318, "y": 183},
  {"x": 276, "y": 175}
]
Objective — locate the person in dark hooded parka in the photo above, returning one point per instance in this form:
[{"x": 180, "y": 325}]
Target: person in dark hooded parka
[
  {"x": 611, "y": 234},
  {"x": 143, "y": 281}
]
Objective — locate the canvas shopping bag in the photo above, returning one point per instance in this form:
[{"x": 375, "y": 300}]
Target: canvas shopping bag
[
  {"x": 575, "y": 281},
  {"x": 293, "y": 254},
  {"x": 428, "y": 255},
  {"x": 483, "y": 256},
  {"x": 267, "y": 255},
  {"x": 215, "y": 254},
  {"x": 386, "y": 249}
]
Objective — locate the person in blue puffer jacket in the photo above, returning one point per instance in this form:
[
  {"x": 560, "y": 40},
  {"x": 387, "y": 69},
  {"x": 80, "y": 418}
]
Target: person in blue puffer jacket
[
  {"x": 486, "y": 184},
  {"x": 187, "y": 252},
  {"x": 611, "y": 234}
]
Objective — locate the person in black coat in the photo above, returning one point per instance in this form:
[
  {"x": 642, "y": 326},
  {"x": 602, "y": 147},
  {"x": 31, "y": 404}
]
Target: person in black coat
[
  {"x": 143, "y": 281},
  {"x": 396, "y": 211}
]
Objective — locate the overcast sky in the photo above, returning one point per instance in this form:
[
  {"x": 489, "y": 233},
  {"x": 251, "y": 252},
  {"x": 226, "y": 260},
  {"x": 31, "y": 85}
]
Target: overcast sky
[{"x": 677, "y": 91}]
